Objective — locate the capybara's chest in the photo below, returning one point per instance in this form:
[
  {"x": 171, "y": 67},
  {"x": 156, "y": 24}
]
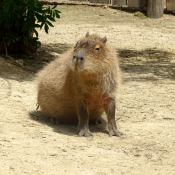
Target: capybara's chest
[
  {"x": 96, "y": 100},
  {"x": 95, "y": 93}
]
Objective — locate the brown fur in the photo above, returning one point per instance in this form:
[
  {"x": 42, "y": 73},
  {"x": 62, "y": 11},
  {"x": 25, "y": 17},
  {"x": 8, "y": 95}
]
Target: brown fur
[{"x": 64, "y": 83}]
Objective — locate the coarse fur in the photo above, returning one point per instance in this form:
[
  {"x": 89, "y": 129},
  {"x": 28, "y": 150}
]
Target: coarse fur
[{"x": 89, "y": 73}]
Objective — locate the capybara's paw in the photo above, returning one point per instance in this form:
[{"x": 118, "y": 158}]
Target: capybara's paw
[
  {"x": 54, "y": 121},
  {"x": 115, "y": 132},
  {"x": 85, "y": 132}
]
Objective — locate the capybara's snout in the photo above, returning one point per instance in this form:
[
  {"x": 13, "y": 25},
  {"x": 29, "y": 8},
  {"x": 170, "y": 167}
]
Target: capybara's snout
[
  {"x": 78, "y": 61},
  {"x": 78, "y": 58}
]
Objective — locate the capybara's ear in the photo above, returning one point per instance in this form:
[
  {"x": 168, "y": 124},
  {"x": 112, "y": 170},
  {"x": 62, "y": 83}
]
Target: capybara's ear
[
  {"x": 87, "y": 34},
  {"x": 104, "y": 39}
]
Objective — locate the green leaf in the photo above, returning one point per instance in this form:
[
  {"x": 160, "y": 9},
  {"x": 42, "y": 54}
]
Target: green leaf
[
  {"x": 37, "y": 25},
  {"x": 46, "y": 28},
  {"x": 38, "y": 10},
  {"x": 30, "y": 2},
  {"x": 39, "y": 17},
  {"x": 54, "y": 7},
  {"x": 42, "y": 25},
  {"x": 53, "y": 14},
  {"x": 36, "y": 33},
  {"x": 50, "y": 24},
  {"x": 38, "y": 4},
  {"x": 57, "y": 15},
  {"x": 8, "y": 42},
  {"x": 51, "y": 11},
  {"x": 50, "y": 18},
  {"x": 22, "y": 17},
  {"x": 6, "y": 4},
  {"x": 24, "y": 27},
  {"x": 45, "y": 17},
  {"x": 57, "y": 11}
]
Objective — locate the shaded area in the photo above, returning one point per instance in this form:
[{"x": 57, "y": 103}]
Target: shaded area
[
  {"x": 135, "y": 9},
  {"x": 148, "y": 64},
  {"x": 58, "y": 128},
  {"x": 8, "y": 70},
  {"x": 45, "y": 54},
  {"x": 65, "y": 129},
  {"x": 128, "y": 9},
  {"x": 56, "y": 47},
  {"x": 26, "y": 65},
  {"x": 145, "y": 65}
]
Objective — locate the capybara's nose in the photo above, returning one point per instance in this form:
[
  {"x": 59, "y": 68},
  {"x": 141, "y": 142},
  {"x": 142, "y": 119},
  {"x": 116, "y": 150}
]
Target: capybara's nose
[{"x": 78, "y": 58}]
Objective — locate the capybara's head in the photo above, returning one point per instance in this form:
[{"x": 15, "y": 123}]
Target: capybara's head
[{"x": 89, "y": 54}]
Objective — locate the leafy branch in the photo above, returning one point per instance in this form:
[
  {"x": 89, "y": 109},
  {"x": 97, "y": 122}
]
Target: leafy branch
[{"x": 20, "y": 19}]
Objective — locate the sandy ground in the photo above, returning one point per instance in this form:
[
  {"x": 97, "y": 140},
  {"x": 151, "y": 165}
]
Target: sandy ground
[{"x": 30, "y": 144}]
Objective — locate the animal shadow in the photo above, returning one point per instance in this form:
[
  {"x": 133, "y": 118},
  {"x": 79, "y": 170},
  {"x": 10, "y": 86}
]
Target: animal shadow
[{"x": 70, "y": 130}]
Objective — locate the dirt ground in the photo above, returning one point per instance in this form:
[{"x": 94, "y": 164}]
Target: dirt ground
[{"x": 31, "y": 144}]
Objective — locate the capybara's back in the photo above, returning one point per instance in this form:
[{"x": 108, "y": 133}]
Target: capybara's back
[{"x": 81, "y": 85}]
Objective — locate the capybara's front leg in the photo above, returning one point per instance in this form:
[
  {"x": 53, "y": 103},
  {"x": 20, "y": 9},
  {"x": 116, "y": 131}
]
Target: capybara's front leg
[
  {"x": 110, "y": 112},
  {"x": 83, "y": 116}
]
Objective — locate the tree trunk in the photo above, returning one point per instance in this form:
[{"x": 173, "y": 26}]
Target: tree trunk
[{"x": 155, "y": 8}]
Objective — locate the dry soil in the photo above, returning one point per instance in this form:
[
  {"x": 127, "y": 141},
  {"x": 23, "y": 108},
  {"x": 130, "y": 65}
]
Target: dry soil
[{"x": 31, "y": 144}]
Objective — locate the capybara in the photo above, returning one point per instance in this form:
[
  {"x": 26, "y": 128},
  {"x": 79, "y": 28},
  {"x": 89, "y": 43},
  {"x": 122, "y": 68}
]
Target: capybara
[{"x": 80, "y": 85}]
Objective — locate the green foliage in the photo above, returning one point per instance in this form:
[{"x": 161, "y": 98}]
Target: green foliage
[{"x": 19, "y": 19}]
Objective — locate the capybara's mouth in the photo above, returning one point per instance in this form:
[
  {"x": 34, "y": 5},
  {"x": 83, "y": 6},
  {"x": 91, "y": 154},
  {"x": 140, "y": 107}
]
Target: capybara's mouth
[{"x": 76, "y": 66}]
